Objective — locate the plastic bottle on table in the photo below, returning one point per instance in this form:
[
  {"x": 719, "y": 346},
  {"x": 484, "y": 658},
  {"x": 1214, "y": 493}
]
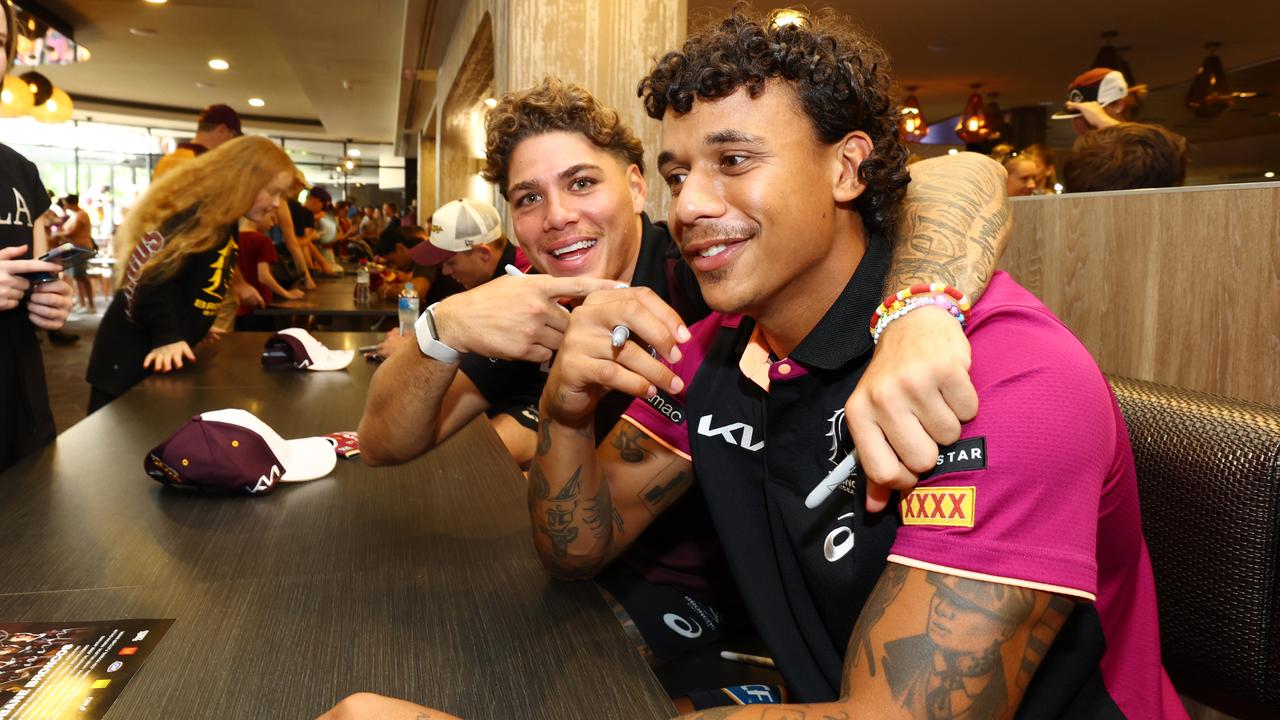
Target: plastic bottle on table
[
  {"x": 362, "y": 285},
  {"x": 408, "y": 308}
]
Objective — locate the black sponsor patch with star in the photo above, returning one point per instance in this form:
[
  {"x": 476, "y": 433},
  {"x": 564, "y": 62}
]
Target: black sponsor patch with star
[{"x": 966, "y": 454}]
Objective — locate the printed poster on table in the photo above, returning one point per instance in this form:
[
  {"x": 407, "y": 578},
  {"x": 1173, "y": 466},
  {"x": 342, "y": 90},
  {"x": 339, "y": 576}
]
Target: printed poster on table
[{"x": 71, "y": 669}]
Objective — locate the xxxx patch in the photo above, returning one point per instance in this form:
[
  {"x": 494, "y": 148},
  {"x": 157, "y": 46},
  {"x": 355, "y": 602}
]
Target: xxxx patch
[{"x": 939, "y": 506}]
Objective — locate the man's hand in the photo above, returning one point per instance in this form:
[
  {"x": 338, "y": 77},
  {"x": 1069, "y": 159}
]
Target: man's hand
[
  {"x": 512, "y": 318},
  {"x": 295, "y": 294},
  {"x": 912, "y": 398},
  {"x": 1093, "y": 113},
  {"x": 367, "y": 706},
  {"x": 12, "y": 285},
  {"x": 588, "y": 365},
  {"x": 393, "y": 341},
  {"x": 248, "y": 295},
  {"x": 168, "y": 357},
  {"x": 50, "y": 304}
]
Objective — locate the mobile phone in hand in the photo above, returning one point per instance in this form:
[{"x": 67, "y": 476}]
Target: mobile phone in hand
[{"x": 66, "y": 255}]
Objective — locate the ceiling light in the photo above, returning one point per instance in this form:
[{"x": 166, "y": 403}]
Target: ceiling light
[
  {"x": 913, "y": 126},
  {"x": 204, "y": 85},
  {"x": 1268, "y": 174},
  {"x": 16, "y": 99},
  {"x": 155, "y": 2},
  {"x": 143, "y": 32},
  {"x": 350, "y": 164},
  {"x": 257, "y": 102},
  {"x": 57, "y": 109},
  {"x": 219, "y": 64},
  {"x": 953, "y": 151},
  {"x": 354, "y": 152},
  {"x": 782, "y": 18},
  {"x": 491, "y": 102},
  {"x": 974, "y": 127}
]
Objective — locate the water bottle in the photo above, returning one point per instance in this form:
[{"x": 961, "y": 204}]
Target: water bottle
[
  {"x": 362, "y": 285},
  {"x": 408, "y": 308}
]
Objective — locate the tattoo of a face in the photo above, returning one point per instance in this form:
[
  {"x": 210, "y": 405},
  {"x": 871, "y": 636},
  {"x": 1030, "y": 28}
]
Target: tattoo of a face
[
  {"x": 955, "y": 668},
  {"x": 627, "y": 442}
]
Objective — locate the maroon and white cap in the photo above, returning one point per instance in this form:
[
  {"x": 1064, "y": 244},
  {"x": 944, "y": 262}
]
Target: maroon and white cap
[
  {"x": 295, "y": 347},
  {"x": 234, "y": 450},
  {"x": 1101, "y": 85}
]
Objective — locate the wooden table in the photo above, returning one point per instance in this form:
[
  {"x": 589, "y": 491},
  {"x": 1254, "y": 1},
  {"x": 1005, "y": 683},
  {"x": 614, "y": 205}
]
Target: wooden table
[
  {"x": 332, "y": 297},
  {"x": 417, "y": 581}
]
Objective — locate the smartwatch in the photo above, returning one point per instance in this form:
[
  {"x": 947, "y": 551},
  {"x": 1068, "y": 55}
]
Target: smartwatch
[{"x": 429, "y": 340}]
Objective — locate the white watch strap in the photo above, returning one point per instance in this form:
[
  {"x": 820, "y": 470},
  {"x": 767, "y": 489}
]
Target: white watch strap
[{"x": 428, "y": 343}]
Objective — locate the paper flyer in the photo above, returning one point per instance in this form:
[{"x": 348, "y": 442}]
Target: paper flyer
[{"x": 71, "y": 669}]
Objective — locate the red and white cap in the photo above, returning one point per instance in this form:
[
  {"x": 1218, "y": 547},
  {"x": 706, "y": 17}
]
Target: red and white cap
[
  {"x": 232, "y": 449},
  {"x": 295, "y": 347},
  {"x": 1101, "y": 85},
  {"x": 458, "y": 226}
]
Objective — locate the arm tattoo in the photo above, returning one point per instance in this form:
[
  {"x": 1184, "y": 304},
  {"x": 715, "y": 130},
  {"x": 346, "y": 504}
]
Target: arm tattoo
[
  {"x": 560, "y": 528},
  {"x": 1042, "y": 636},
  {"x": 955, "y": 668},
  {"x": 657, "y": 496},
  {"x": 890, "y": 584},
  {"x": 544, "y": 438},
  {"x": 627, "y": 443},
  {"x": 599, "y": 513},
  {"x": 954, "y": 227}
]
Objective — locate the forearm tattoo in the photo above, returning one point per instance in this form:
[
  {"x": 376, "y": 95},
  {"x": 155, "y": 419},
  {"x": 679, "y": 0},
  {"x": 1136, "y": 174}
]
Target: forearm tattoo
[{"x": 953, "y": 229}]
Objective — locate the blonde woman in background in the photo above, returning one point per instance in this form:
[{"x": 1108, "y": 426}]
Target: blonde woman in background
[{"x": 177, "y": 251}]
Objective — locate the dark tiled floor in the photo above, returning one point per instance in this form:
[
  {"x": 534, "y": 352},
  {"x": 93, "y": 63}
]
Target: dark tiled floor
[{"x": 64, "y": 367}]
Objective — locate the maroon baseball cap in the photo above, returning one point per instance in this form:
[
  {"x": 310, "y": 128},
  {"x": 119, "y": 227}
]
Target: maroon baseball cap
[
  {"x": 233, "y": 450},
  {"x": 297, "y": 348},
  {"x": 221, "y": 115}
]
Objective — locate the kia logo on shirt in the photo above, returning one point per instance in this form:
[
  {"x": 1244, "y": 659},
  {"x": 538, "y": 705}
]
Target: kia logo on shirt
[{"x": 746, "y": 433}]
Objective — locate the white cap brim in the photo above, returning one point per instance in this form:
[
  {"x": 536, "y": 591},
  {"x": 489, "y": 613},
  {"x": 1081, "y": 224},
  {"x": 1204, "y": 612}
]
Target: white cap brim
[{"x": 322, "y": 358}]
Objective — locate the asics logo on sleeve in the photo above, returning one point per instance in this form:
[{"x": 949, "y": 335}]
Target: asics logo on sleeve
[{"x": 743, "y": 438}]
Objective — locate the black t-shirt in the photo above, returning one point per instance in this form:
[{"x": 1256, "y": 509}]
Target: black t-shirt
[
  {"x": 24, "y": 397},
  {"x": 182, "y": 307},
  {"x": 303, "y": 220},
  {"x": 680, "y": 547}
]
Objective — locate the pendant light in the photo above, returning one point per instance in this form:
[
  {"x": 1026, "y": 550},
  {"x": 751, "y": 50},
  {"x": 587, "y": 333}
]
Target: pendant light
[
  {"x": 1209, "y": 95},
  {"x": 41, "y": 87},
  {"x": 973, "y": 128},
  {"x": 1108, "y": 55},
  {"x": 16, "y": 99},
  {"x": 913, "y": 125},
  {"x": 57, "y": 109}
]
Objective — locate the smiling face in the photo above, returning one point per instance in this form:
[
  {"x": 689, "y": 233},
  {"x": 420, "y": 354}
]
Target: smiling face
[
  {"x": 576, "y": 207},
  {"x": 761, "y": 209},
  {"x": 268, "y": 198},
  {"x": 1023, "y": 176}
]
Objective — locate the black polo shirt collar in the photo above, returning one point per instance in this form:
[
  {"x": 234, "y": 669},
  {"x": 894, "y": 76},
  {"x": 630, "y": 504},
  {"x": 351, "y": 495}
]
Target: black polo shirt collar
[
  {"x": 508, "y": 258},
  {"x": 839, "y": 337},
  {"x": 656, "y": 246}
]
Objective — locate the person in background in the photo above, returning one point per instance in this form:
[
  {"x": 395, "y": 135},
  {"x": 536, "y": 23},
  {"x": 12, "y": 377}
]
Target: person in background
[
  {"x": 177, "y": 251},
  {"x": 216, "y": 125},
  {"x": 390, "y": 219},
  {"x": 1126, "y": 156},
  {"x": 370, "y": 226},
  {"x": 1048, "y": 160},
  {"x": 77, "y": 229},
  {"x": 26, "y": 421},
  {"x": 257, "y": 252},
  {"x": 1024, "y": 172},
  {"x": 320, "y": 203},
  {"x": 1099, "y": 98}
]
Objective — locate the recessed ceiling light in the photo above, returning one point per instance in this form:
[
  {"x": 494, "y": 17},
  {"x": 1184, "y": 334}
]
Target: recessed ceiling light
[
  {"x": 491, "y": 102},
  {"x": 1268, "y": 174},
  {"x": 257, "y": 102},
  {"x": 143, "y": 32},
  {"x": 219, "y": 64},
  {"x": 354, "y": 152},
  {"x": 204, "y": 85},
  {"x": 155, "y": 2}
]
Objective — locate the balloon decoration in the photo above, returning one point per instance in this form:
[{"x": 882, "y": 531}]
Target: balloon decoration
[
  {"x": 57, "y": 109},
  {"x": 16, "y": 99}
]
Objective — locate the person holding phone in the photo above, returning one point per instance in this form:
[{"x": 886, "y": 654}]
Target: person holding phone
[
  {"x": 178, "y": 256},
  {"x": 26, "y": 421}
]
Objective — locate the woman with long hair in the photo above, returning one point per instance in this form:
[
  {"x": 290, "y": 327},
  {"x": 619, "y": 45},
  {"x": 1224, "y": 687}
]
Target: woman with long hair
[
  {"x": 177, "y": 259},
  {"x": 26, "y": 421}
]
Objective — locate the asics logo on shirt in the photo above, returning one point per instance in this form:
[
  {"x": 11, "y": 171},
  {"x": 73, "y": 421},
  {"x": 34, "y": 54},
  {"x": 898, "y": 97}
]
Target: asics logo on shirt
[
  {"x": 839, "y": 541},
  {"x": 743, "y": 439}
]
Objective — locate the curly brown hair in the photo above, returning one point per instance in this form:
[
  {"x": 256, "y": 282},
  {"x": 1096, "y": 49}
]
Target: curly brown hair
[
  {"x": 550, "y": 106},
  {"x": 840, "y": 76}
]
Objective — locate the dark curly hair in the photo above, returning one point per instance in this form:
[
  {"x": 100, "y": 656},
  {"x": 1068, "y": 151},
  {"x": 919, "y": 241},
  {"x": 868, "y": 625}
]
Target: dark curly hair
[
  {"x": 840, "y": 76},
  {"x": 549, "y": 106}
]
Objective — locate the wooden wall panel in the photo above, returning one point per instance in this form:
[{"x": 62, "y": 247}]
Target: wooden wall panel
[{"x": 1176, "y": 286}]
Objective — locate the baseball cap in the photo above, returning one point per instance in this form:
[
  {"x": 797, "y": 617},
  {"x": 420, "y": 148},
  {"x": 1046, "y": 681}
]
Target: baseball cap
[
  {"x": 457, "y": 227},
  {"x": 221, "y": 115},
  {"x": 1101, "y": 85},
  {"x": 295, "y": 347},
  {"x": 232, "y": 449}
]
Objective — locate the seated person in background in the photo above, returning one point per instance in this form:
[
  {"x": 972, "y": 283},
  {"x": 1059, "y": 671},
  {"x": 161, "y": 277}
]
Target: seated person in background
[
  {"x": 370, "y": 225},
  {"x": 1126, "y": 156},
  {"x": 320, "y": 204},
  {"x": 1098, "y": 99},
  {"x": 257, "y": 252},
  {"x": 1024, "y": 171}
]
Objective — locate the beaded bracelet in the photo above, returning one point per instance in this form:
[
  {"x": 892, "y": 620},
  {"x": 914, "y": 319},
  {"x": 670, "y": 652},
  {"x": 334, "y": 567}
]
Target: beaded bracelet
[
  {"x": 886, "y": 307},
  {"x": 902, "y": 307}
]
